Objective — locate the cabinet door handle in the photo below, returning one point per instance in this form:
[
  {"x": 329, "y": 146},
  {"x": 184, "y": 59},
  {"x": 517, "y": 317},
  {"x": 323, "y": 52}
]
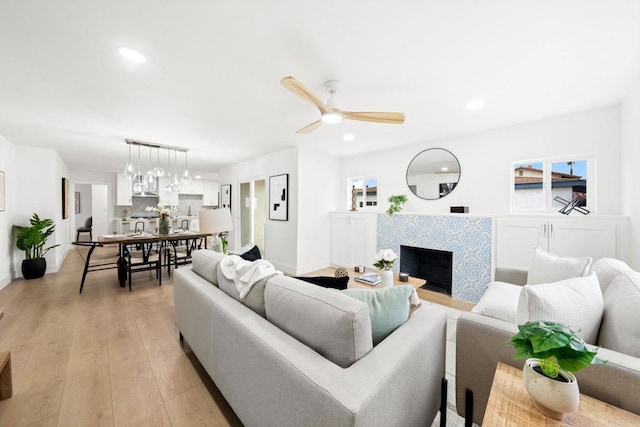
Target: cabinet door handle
[
  {"x": 544, "y": 230},
  {"x": 550, "y": 230}
]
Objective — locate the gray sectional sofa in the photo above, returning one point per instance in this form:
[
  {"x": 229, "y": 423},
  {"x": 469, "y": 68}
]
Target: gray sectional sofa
[
  {"x": 483, "y": 341},
  {"x": 294, "y": 354}
]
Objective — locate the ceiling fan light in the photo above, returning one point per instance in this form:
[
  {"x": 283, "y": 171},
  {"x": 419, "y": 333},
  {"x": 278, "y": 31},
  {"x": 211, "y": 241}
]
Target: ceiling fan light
[{"x": 331, "y": 117}]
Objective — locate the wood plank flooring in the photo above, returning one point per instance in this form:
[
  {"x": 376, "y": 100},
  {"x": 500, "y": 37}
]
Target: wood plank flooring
[{"x": 108, "y": 357}]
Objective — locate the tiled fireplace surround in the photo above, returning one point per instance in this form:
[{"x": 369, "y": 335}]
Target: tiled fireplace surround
[{"x": 469, "y": 238}]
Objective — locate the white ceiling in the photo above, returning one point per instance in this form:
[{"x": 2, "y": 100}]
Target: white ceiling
[{"x": 211, "y": 82}]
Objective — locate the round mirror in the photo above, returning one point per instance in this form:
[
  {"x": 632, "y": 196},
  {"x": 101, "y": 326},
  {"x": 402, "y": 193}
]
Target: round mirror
[{"x": 433, "y": 173}]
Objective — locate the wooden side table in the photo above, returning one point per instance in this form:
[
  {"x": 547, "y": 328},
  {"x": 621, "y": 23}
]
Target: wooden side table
[{"x": 509, "y": 404}]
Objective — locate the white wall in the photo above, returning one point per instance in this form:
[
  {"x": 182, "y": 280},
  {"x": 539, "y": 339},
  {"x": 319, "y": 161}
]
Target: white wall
[
  {"x": 318, "y": 181},
  {"x": 630, "y": 171},
  {"x": 6, "y": 218},
  {"x": 37, "y": 188},
  {"x": 485, "y": 160},
  {"x": 280, "y": 236}
]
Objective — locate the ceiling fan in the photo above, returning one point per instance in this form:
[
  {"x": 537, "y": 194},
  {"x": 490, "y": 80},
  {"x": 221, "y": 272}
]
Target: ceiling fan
[{"x": 329, "y": 112}]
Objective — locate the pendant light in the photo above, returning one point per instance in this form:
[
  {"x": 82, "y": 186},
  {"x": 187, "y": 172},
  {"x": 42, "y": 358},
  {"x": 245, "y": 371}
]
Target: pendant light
[
  {"x": 186, "y": 175},
  {"x": 169, "y": 186},
  {"x": 138, "y": 186},
  {"x": 176, "y": 178},
  {"x": 150, "y": 178},
  {"x": 129, "y": 170},
  {"x": 158, "y": 171}
]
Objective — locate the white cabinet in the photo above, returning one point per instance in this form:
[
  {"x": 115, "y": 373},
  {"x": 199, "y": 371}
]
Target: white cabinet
[
  {"x": 210, "y": 196},
  {"x": 196, "y": 186},
  {"x": 123, "y": 190},
  {"x": 165, "y": 197},
  {"x": 575, "y": 237},
  {"x": 353, "y": 239}
]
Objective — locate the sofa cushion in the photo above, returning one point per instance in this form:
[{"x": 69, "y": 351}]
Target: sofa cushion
[
  {"x": 335, "y": 325},
  {"x": 499, "y": 301},
  {"x": 388, "y": 308},
  {"x": 327, "y": 281},
  {"x": 576, "y": 302},
  {"x": 620, "y": 329},
  {"x": 607, "y": 269},
  {"x": 547, "y": 267},
  {"x": 254, "y": 299},
  {"x": 205, "y": 263}
]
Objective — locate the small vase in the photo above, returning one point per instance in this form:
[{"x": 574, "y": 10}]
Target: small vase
[
  {"x": 387, "y": 278},
  {"x": 552, "y": 397},
  {"x": 163, "y": 225}
]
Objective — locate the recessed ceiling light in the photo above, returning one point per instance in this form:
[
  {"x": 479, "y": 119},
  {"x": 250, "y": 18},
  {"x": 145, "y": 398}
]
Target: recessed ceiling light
[
  {"x": 197, "y": 177},
  {"x": 476, "y": 104},
  {"x": 349, "y": 137},
  {"x": 444, "y": 169},
  {"x": 132, "y": 55}
]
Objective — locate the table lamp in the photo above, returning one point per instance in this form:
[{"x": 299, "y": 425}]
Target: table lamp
[{"x": 217, "y": 222}]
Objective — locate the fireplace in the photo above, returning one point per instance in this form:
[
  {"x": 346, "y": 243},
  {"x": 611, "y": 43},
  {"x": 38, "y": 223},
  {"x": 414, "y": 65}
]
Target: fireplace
[{"x": 432, "y": 265}]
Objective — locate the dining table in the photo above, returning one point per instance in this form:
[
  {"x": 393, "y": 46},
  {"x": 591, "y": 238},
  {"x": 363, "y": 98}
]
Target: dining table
[{"x": 145, "y": 241}]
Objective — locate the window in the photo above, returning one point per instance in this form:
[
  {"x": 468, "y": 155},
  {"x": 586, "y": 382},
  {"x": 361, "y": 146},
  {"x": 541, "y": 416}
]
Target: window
[
  {"x": 363, "y": 192},
  {"x": 552, "y": 184}
]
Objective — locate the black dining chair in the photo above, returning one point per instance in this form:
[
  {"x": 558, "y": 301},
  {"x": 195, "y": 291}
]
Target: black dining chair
[{"x": 88, "y": 225}]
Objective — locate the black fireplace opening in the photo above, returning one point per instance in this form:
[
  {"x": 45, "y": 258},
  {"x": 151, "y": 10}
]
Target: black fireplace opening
[{"x": 432, "y": 265}]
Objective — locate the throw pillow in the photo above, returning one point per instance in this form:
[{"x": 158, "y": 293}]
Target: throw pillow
[
  {"x": 500, "y": 301},
  {"x": 608, "y": 269},
  {"x": 547, "y": 268},
  {"x": 576, "y": 302},
  {"x": 388, "y": 308},
  {"x": 327, "y": 281},
  {"x": 252, "y": 254}
]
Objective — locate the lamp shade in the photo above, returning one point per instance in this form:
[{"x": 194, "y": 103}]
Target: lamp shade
[{"x": 215, "y": 221}]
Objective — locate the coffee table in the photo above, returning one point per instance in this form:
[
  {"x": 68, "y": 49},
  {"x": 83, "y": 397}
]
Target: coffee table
[{"x": 509, "y": 405}]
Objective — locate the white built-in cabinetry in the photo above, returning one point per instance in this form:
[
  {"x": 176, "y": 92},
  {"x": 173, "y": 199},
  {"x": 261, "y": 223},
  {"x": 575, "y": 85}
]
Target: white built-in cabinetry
[
  {"x": 353, "y": 239},
  {"x": 516, "y": 238},
  {"x": 196, "y": 186},
  {"x": 124, "y": 189},
  {"x": 210, "y": 195}
]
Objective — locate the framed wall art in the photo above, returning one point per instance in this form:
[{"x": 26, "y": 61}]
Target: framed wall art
[
  {"x": 279, "y": 197},
  {"x": 77, "y": 202},
  {"x": 65, "y": 198},
  {"x": 2, "y": 191},
  {"x": 225, "y": 196}
]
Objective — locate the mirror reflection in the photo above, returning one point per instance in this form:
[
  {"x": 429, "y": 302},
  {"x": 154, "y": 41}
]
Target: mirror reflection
[{"x": 433, "y": 173}]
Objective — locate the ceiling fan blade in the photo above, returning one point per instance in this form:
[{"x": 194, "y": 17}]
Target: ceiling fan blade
[
  {"x": 377, "y": 117},
  {"x": 296, "y": 87},
  {"x": 310, "y": 127}
]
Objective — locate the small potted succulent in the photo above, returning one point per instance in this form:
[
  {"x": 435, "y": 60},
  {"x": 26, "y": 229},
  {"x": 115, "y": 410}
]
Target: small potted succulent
[
  {"x": 553, "y": 352},
  {"x": 32, "y": 240}
]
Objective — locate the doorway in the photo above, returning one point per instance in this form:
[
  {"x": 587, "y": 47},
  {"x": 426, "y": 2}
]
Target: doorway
[
  {"x": 253, "y": 207},
  {"x": 91, "y": 200}
]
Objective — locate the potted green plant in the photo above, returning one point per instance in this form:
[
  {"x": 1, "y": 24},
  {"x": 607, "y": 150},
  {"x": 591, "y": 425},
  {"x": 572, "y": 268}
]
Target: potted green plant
[
  {"x": 32, "y": 239},
  {"x": 553, "y": 352},
  {"x": 396, "y": 203}
]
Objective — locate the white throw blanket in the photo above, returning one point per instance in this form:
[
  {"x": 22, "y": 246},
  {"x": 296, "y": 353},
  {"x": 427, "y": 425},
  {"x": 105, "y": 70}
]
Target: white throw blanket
[{"x": 245, "y": 273}]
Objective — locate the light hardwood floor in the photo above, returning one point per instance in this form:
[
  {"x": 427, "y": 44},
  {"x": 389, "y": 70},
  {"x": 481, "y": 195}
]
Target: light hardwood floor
[{"x": 108, "y": 357}]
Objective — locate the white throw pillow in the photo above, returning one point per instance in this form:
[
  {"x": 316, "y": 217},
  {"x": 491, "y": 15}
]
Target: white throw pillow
[
  {"x": 500, "y": 301},
  {"x": 576, "y": 302},
  {"x": 547, "y": 268}
]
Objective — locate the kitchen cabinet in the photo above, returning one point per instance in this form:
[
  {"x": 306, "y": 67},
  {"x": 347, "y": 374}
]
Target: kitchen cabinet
[
  {"x": 196, "y": 186},
  {"x": 123, "y": 191},
  {"x": 573, "y": 237},
  {"x": 165, "y": 197},
  {"x": 353, "y": 239},
  {"x": 210, "y": 195}
]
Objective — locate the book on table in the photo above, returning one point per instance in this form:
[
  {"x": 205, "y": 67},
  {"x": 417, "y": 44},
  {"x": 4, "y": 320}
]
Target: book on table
[{"x": 369, "y": 278}]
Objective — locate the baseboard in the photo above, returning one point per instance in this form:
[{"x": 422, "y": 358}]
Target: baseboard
[
  {"x": 4, "y": 281},
  {"x": 309, "y": 268},
  {"x": 285, "y": 268}
]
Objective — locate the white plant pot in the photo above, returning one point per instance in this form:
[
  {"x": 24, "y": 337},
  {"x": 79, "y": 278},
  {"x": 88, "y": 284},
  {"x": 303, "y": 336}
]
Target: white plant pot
[
  {"x": 552, "y": 397},
  {"x": 386, "y": 278}
]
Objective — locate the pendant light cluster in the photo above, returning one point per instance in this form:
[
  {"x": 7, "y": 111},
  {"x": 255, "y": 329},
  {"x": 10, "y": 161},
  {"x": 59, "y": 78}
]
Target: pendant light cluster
[{"x": 148, "y": 182}]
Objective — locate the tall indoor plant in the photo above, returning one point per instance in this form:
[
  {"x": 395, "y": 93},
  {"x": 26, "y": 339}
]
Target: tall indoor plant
[
  {"x": 553, "y": 352},
  {"x": 32, "y": 239}
]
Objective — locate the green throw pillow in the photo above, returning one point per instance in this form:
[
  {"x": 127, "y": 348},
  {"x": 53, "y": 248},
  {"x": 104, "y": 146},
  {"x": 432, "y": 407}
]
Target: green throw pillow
[{"x": 388, "y": 308}]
